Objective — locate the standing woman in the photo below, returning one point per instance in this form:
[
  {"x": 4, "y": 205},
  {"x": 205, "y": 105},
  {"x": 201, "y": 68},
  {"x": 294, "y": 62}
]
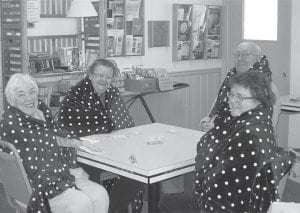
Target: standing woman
[{"x": 94, "y": 106}]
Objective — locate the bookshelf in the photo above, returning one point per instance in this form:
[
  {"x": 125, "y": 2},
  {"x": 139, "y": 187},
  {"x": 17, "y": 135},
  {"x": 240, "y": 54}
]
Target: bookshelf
[
  {"x": 14, "y": 38},
  {"x": 17, "y": 46},
  {"x": 118, "y": 30},
  {"x": 196, "y": 32}
]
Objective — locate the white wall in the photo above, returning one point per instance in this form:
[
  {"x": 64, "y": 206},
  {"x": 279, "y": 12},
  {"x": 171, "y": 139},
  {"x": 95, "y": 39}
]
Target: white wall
[
  {"x": 155, "y": 57},
  {"x": 294, "y": 119}
]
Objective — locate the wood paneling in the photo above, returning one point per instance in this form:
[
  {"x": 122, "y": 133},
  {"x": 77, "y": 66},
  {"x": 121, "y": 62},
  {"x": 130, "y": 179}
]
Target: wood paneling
[
  {"x": 184, "y": 107},
  {"x": 51, "y": 43}
]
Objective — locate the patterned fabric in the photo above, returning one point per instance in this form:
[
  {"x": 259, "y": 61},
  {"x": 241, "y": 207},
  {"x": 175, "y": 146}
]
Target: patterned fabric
[
  {"x": 46, "y": 164},
  {"x": 82, "y": 112},
  {"x": 221, "y": 107},
  {"x": 237, "y": 164}
]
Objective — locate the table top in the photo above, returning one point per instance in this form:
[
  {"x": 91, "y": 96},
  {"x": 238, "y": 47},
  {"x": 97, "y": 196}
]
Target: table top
[
  {"x": 289, "y": 103},
  {"x": 170, "y": 148}
]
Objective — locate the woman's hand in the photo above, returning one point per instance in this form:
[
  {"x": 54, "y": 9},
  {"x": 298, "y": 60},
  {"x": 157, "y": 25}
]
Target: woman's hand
[
  {"x": 207, "y": 123},
  {"x": 67, "y": 142}
]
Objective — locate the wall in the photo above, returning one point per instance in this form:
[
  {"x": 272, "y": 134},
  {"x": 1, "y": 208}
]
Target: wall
[
  {"x": 158, "y": 57},
  {"x": 1, "y": 87},
  {"x": 294, "y": 119},
  {"x": 184, "y": 107}
]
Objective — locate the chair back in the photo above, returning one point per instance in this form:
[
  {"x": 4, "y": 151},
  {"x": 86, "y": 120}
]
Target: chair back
[{"x": 13, "y": 175}]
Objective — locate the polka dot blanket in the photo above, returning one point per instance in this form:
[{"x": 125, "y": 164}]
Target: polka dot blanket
[
  {"x": 46, "y": 164},
  {"x": 83, "y": 113},
  {"x": 238, "y": 165}
]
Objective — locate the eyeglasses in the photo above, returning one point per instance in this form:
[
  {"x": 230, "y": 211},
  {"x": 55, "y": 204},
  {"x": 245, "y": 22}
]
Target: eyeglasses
[
  {"x": 238, "y": 97},
  {"x": 243, "y": 55},
  {"x": 102, "y": 78}
]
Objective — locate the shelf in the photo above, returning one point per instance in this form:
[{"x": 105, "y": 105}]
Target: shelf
[{"x": 54, "y": 74}]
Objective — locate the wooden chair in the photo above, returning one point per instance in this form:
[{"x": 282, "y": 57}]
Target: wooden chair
[{"x": 14, "y": 178}]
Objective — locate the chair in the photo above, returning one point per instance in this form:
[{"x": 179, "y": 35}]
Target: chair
[{"x": 14, "y": 178}]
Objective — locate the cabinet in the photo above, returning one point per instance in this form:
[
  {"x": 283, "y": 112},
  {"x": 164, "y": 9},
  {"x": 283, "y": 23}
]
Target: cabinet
[
  {"x": 196, "y": 31},
  {"x": 17, "y": 44},
  {"x": 118, "y": 30},
  {"x": 14, "y": 38}
]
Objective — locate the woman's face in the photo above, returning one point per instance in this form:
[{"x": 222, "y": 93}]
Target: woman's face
[
  {"x": 241, "y": 100},
  {"x": 101, "y": 78},
  {"x": 26, "y": 98}
]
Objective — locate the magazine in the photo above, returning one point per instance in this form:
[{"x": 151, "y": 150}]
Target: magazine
[
  {"x": 198, "y": 31},
  {"x": 214, "y": 20},
  {"x": 213, "y": 46},
  {"x": 114, "y": 42},
  {"x": 183, "y": 50}
]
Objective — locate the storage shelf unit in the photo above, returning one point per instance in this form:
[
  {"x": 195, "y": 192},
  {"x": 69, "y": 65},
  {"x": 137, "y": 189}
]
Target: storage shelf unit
[
  {"x": 118, "y": 30},
  {"x": 196, "y": 31}
]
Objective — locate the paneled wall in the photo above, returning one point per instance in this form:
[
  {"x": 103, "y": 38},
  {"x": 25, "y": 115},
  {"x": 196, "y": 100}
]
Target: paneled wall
[
  {"x": 184, "y": 107},
  {"x": 51, "y": 43}
]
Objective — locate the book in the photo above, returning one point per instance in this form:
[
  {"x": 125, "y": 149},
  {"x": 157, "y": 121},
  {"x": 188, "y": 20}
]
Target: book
[
  {"x": 117, "y": 7},
  {"x": 137, "y": 45},
  {"x": 214, "y": 20},
  {"x": 213, "y": 47},
  {"x": 114, "y": 42},
  {"x": 118, "y": 22},
  {"x": 184, "y": 31},
  {"x": 132, "y": 9},
  {"x": 183, "y": 50},
  {"x": 198, "y": 31},
  {"x": 137, "y": 27}
]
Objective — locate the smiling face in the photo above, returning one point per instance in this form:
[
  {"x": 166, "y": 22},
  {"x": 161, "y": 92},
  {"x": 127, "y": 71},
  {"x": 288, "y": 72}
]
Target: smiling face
[
  {"x": 26, "y": 98},
  {"x": 245, "y": 55},
  {"x": 101, "y": 78},
  {"x": 241, "y": 100}
]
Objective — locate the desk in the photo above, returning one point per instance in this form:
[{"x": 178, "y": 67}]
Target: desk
[
  {"x": 127, "y": 153},
  {"x": 135, "y": 95},
  {"x": 289, "y": 105}
]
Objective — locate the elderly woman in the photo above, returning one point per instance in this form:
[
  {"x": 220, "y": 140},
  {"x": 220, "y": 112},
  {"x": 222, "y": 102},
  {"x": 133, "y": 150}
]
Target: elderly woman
[
  {"x": 247, "y": 58},
  {"x": 94, "y": 106},
  {"x": 48, "y": 154},
  {"x": 238, "y": 167}
]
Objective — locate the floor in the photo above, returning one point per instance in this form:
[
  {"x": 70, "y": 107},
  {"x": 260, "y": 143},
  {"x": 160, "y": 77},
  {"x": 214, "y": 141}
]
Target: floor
[{"x": 4, "y": 206}]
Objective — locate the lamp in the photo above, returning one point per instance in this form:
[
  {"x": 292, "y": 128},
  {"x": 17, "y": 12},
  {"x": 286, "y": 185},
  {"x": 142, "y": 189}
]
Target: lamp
[{"x": 81, "y": 9}]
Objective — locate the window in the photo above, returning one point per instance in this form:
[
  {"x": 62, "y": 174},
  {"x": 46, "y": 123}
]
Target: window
[{"x": 260, "y": 20}]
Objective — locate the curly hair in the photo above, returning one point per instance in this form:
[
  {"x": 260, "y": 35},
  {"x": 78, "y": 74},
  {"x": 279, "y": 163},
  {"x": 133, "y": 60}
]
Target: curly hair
[{"x": 258, "y": 83}]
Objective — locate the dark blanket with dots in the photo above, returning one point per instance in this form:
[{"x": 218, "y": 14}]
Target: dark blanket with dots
[
  {"x": 238, "y": 166},
  {"x": 83, "y": 113},
  {"x": 46, "y": 164}
]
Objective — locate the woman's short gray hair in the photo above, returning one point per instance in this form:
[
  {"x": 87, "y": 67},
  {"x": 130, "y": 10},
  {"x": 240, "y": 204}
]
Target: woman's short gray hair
[{"x": 14, "y": 81}]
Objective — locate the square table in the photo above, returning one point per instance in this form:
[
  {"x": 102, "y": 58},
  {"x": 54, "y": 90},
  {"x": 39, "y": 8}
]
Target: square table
[{"x": 129, "y": 153}]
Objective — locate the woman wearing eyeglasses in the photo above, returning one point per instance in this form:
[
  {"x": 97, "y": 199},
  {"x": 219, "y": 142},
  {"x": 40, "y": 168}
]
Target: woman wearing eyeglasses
[
  {"x": 94, "y": 106},
  {"x": 247, "y": 58},
  {"x": 237, "y": 165}
]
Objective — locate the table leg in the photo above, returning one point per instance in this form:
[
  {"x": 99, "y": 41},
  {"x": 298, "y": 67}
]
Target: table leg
[
  {"x": 147, "y": 109},
  {"x": 153, "y": 197}
]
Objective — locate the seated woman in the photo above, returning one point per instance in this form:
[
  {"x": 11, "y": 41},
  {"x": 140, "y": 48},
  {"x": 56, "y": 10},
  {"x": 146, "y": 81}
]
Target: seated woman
[
  {"x": 238, "y": 167},
  {"x": 48, "y": 154},
  {"x": 94, "y": 106}
]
